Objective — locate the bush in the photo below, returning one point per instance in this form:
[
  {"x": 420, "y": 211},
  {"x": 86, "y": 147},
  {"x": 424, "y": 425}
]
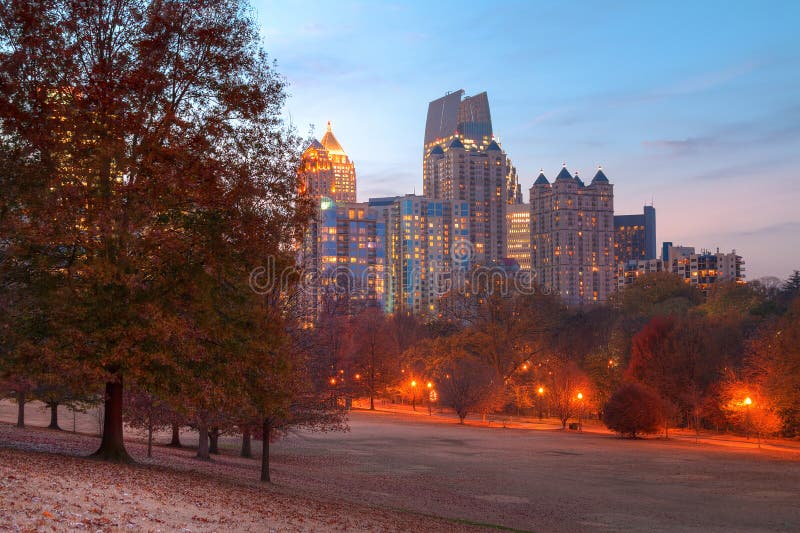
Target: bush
[{"x": 633, "y": 409}]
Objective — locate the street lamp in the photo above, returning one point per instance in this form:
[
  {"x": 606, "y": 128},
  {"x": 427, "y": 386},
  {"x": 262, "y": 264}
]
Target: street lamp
[
  {"x": 414, "y": 395},
  {"x": 747, "y": 402},
  {"x": 430, "y": 392},
  {"x": 540, "y": 392},
  {"x": 580, "y": 411}
]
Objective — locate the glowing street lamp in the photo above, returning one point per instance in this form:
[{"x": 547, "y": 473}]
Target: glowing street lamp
[
  {"x": 580, "y": 411},
  {"x": 747, "y": 402},
  {"x": 414, "y": 395},
  {"x": 540, "y": 398},
  {"x": 430, "y": 393}
]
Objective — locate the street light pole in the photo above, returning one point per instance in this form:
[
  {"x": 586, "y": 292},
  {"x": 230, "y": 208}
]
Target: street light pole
[
  {"x": 430, "y": 390},
  {"x": 540, "y": 393},
  {"x": 414, "y": 395},
  {"x": 747, "y": 402},
  {"x": 580, "y": 412}
]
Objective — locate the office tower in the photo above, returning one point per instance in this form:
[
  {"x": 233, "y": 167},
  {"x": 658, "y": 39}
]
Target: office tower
[
  {"x": 572, "y": 237},
  {"x": 463, "y": 162},
  {"x": 348, "y": 255},
  {"x": 706, "y": 268},
  {"x": 424, "y": 250},
  {"x": 635, "y": 236},
  {"x": 327, "y": 171},
  {"x": 518, "y": 235}
]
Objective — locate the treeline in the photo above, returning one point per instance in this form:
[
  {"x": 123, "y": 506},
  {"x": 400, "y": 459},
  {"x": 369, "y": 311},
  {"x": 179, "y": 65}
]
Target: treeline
[{"x": 730, "y": 361}]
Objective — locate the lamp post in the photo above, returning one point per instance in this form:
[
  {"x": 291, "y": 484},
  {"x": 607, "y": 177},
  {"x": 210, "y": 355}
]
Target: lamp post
[
  {"x": 430, "y": 391},
  {"x": 580, "y": 411},
  {"x": 413, "y": 395},
  {"x": 747, "y": 402},
  {"x": 540, "y": 397}
]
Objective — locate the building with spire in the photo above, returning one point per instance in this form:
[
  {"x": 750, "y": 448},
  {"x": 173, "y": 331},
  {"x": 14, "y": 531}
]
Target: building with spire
[
  {"x": 327, "y": 171},
  {"x": 462, "y": 161},
  {"x": 572, "y": 237}
]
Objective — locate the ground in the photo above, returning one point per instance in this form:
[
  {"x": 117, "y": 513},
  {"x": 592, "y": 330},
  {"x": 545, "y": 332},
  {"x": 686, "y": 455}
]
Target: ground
[{"x": 397, "y": 471}]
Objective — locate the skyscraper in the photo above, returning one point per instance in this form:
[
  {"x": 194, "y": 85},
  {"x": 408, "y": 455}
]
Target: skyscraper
[
  {"x": 635, "y": 236},
  {"x": 327, "y": 171},
  {"x": 423, "y": 239},
  {"x": 347, "y": 258},
  {"x": 462, "y": 161},
  {"x": 572, "y": 237}
]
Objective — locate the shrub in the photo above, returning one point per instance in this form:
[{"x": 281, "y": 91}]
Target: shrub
[{"x": 633, "y": 409}]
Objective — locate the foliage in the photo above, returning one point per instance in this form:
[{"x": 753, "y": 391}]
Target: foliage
[{"x": 633, "y": 409}]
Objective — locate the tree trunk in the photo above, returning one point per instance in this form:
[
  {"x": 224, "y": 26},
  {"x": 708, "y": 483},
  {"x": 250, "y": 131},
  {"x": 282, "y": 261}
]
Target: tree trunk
[
  {"x": 266, "y": 430},
  {"x": 214, "y": 438},
  {"x": 176, "y": 436},
  {"x": 371, "y": 402},
  {"x": 112, "y": 445},
  {"x": 202, "y": 443},
  {"x": 53, "y": 415},
  {"x": 20, "y": 409},
  {"x": 150, "y": 436},
  {"x": 246, "y": 448}
]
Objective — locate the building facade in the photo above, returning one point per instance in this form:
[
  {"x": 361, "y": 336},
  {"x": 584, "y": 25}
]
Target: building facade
[
  {"x": 518, "y": 235},
  {"x": 326, "y": 170},
  {"x": 463, "y": 162},
  {"x": 572, "y": 237},
  {"x": 635, "y": 236},
  {"x": 706, "y": 268},
  {"x": 628, "y": 271},
  {"x": 424, "y": 250},
  {"x": 348, "y": 258}
]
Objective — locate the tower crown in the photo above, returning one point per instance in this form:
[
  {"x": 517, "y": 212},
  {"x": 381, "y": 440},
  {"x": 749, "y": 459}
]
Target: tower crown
[{"x": 330, "y": 142}]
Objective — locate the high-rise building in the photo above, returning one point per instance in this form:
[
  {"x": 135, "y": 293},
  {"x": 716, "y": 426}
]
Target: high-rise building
[
  {"x": 348, "y": 259},
  {"x": 424, "y": 249},
  {"x": 518, "y": 235},
  {"x": 463, "y": 162},
  {"x": 635, "y": 236},
  {"x": 706, "y": 268},
  {"x": 327, "y": 171},
  {"x": 572, "y": 237}
]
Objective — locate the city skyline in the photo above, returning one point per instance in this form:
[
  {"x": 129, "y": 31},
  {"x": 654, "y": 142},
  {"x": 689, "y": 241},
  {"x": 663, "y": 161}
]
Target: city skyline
[{"x": 676, "y": 112}]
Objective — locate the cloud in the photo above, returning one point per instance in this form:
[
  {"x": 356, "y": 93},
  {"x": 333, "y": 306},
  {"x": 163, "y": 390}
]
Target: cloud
[
  {"x": 792, "y": 227},
  {"x": 681, "y": 147}
]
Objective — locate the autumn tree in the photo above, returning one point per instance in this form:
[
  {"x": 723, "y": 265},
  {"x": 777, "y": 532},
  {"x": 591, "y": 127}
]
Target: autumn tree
[
  {"x": 464, "y": 382},
  {"x": 633, "y": 409},
  {"x": 138, "y": 135},
  {"x": 145, "y": 411},
  {"x": 375, "y": 362},
  {"x": 565, "y": 381},
  {"x": 657, "y": 293},
  {"x": 774, "y": 363}
]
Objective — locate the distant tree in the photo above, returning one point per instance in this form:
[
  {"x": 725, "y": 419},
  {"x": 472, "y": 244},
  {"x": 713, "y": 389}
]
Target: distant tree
[
  {"x": 658, "y": 293},
  {"x": 464, "y": 382},
  {"x": 749, "y": 409},
  {"x": 791, "y": 287},
  {"x": 375, "y": 361},
  {"x": 633, "y": 409},
  {"x": 774, "y": 363},
  {"x": 144, "y": 411},
  {"x": 682, "y": 358},
  {"x": 565, "y": 380}
]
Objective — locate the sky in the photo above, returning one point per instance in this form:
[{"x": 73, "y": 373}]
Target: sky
[{"x": 694, "y": 106}]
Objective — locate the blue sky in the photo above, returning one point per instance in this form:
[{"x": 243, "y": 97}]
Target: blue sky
[{"x": 695, "y": 105}]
